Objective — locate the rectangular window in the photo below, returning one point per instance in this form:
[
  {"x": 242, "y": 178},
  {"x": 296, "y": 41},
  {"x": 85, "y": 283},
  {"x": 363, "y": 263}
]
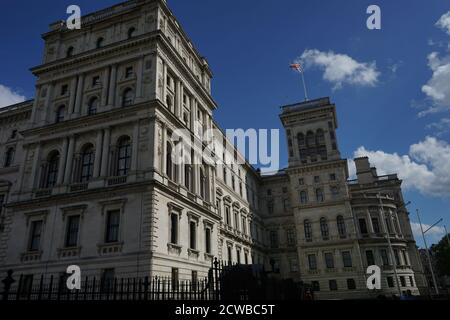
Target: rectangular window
[
  {"x": 351, "y": 285},
  {"x": 73, "y": 225},
  {"x": 332, "y": 176},
  {"x": 238, "y": 256},
  {"x": 370, "y": 258},
  {"x": 315, "y": 285},
  {"x": 35, "y": 235},
  {"x": 208, "y": 240},
  {"x": 273, "y": 239},
  {"x": 112, "y": 226},
  {"x": 397, "y": 257},
  {"x": 290, "y": 237},
  {"x": 362, "y": 226},
  {"x": 192, "y": 235},
  {"x": 227, "y": 216},
  {"x": 333, "y": 285},
  {"x": 107, "y": 279},
  {"x": 312, "y": 262},
  {"x": 301, "y": 181},
  {"x": 293, "y": 265},
  {"x": 175, "y": 278},
  {"x": 376, "y": 225},
  {"x": 329, "y": 261},
  {"x": 194, "y": 279},
  {"x": 236, "y": 220},
  {"x": 403, "y": 281},
  {"x": 64, "y": 89},
  {"x": 174, "y": 228},
  {"x": 405, "y": 258},
  {"x": 390, "y": 282},
  {"x": 95, "y": 81},
  {"x": 244, "y": 225},
  {"x": 384, "y": 257},
  {"x": 411, "y": 281},
  {"x": 347, "y": 259},
  {"x": 316, "y": 179},
  {"x": 230, "y": 258}
]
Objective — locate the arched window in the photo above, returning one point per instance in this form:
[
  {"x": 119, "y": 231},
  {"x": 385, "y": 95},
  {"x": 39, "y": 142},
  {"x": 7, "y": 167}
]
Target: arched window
[
  {"x": 308, "y": 230},
  {"x": 310, "y": 140},
  {"x": 123, "y": 156},
  {"x": 93, "y": 105},
  {"x": 303, "y": 197},
  {"x": 9, "y": 157},
  {"x": 320, "y": 137},
  {"x": 341, "y": 226},
  {"x": 69, "y": 52},
  {"x": 169, "y": 162},
  {"x": 131, "y": 32},
  {"x": 50, "y": 170},
  {"x": 127, "y": 98},
  {"x": 324, "y": 228},
  {"x": 100, "y": 42},
  {"x": 87, "y": 163},
  {"x": 59, "y": 116},
  {"x": 319, "y": 195}
]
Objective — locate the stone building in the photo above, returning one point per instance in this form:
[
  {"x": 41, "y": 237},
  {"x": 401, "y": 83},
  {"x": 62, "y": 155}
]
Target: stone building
[{"x": 89, "y": 177}]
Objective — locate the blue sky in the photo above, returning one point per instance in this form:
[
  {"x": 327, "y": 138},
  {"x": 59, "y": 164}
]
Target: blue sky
[{"x": 249, "y": 45}]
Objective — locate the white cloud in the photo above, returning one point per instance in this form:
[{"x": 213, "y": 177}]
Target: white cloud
[
  {"x": 341, "y": 69},
  {"x": 444, "y": 22},
  {"x": 426, "y": 168},
  {"x": 441, "y": 127},
  {"x": 437, "y": 89},
  {"x": 433, "y": 235},
  {"x": 8, "y": 97}
]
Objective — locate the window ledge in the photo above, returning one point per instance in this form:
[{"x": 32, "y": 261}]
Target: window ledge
[
  {"x": 110, "y": 248},
  {"x": 31, "y": 256},
  {"x": 174, "y": 248},
  {"x": 69, "y": 252}
]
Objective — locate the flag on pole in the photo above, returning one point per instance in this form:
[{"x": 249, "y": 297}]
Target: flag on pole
[{"x": 297, "y": 67}]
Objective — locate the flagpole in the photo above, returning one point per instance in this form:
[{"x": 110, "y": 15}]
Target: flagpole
[{"x": 304, "y": 84}]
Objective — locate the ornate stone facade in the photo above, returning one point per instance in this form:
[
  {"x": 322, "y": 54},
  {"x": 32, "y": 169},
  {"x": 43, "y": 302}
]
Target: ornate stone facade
[{"x": 88, "y": 177}]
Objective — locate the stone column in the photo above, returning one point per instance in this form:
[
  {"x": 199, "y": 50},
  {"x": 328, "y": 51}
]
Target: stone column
[
  {"x": 105, "y": 152},
  {"x": 35, "y": 105},
  {"x": 73, "y": 93},
  {"x": 69, "y": 161},
  {"x": 62, "y": 162},
  {"x": 79, "y": 98},
  {"x": 47, "y": 106},
  {"x": 369, "y": 222},
  {"x": 105, "y": 85},
  {"x": 135, "y": 148},
  {"x": 112, "y": 86},
  {"x": 98, "y": 153},
  {"x": 139, "y": 78}
]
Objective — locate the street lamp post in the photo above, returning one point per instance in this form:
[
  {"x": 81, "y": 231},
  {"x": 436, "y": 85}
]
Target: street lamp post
[
  {"x": 427, "y": 251},
  {"x": 394, "y": 263}
]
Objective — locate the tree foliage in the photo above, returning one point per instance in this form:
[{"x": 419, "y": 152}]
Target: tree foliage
[{"x": 441, "y": 252}]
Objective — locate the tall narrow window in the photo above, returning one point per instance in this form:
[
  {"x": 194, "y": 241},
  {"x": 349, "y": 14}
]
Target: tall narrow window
[
  {"x": 227, "y": 216},
  {"x": 319, "y": 195},
  {"x": 362, "y": 226},
  {"x": 202, "y": 183},
  {"x": 69, "y": 52},
  {"x": 324, "y": 228},
  {"x": 112, "y": 226},
  {"x": 312, "y": 262},
  {"x": 208, "y": 240},
  {"x": 370, "y": 258},
  {"x": 73, "y": 224},
  {"x": 175, "y": 279},
  {"x": 174, "y": 228},
  {"x": 169, "y": 163},
  {"x": 192, "y": 235},
  {"x": 303, "y": 197},
  {"x": 9, "y": 157},
  {"x": 308, "y": 230},
  {"x": 87, "y": 163},
  {"x": 51, "y": 174},
  {"x": 127, "y": 98},
  {"x": 376, "y": 225},
  {"x": 273, "y": 239},
  {"x": 59, "y": 117},
  {"x": 123, "y": 156},
  {"x": 341, "y": 227},
  {"x": 188, "y": 176},
  {"x": 329, "y": 260},
  {"x": 100, "y": 42},
  {"x": 92, "y": 107},
  {"x": 35, "y": 235},
  {"x": 290, "y": 237},
  {"x": 347, "y": 259},
  {"x": 131, "y": 32},
  {"x": 384, "y": 257}
]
